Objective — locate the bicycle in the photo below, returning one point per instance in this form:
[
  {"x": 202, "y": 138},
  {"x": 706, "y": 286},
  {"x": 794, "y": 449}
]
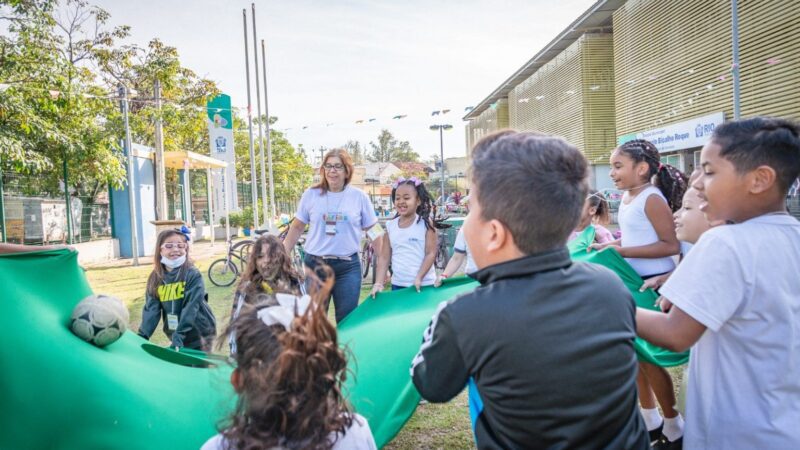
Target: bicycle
[
  {"x": 369, "y": 258},
  {"x": 224, "y": 271},
  {"x": 298, "y": 253},
  {"x": 442, "y": 254}
]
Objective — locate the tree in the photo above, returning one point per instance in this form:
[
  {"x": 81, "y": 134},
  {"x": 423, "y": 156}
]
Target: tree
[
  {"x": 291, "y": 172},
  {"x": 389, "y": 149},
  {"x": 52, "y": 111},
  {"x": 356, "y": 151}
]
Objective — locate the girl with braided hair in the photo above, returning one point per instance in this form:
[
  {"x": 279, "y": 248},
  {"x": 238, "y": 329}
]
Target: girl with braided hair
[
  {"x": 289, "y": 375},
  {"x": 410, "y": 239},
  {"x": 653, "y": 191}
]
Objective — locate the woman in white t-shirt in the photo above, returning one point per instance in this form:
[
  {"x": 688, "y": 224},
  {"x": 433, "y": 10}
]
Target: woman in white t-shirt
[
  {"x": 337, "y": 215},
  {"x": 288, "y": 377},
  {"x": 410, "y": 240},
  {"x": 653, "y": 191}
]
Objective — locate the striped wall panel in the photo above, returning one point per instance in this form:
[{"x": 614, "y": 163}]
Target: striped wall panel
[
  {"x": 597, "y": 59},
  {"x": 489, "y": 121},
  {"x": 571, "y": 96},
  {"x": 769, "y": 57},
  {"x": 668, "y": 60},
  {"x": 673, "y": 59}
]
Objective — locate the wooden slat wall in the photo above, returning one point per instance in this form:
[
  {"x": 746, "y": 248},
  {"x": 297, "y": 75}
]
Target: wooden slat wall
[
  {"x": 672, "y": 60},
  {"x": 668, "y": 57},
  {"x": 487, "y": 122},
  {"x": 554, "y": 98},
  {"x": 572, "y": 96},
  {"x": 769, "y": 30},
  {"x": 598, "y": 97}
]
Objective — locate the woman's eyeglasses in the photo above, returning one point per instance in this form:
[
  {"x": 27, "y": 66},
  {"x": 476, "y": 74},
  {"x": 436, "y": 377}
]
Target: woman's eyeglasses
[
  {"x": 170, "y": 246},
  {"x": 330, "y": 167}
]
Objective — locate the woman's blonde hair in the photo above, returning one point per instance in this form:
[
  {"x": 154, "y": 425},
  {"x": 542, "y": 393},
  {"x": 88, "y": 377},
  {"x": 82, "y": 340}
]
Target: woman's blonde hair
[{"x": 347, "y": 162}]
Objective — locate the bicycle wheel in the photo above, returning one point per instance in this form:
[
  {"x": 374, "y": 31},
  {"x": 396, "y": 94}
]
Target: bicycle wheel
[
  {"x": 243, "y": 248},
  {"x": 366, "y": 260},
  {"x": 441, "y": 258},
  {"x": 222, "y": 272},
  {"x": 374, "y": 263}
]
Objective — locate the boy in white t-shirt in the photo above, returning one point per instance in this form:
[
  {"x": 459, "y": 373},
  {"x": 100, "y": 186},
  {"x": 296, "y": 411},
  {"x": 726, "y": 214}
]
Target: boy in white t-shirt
[{"x": 736, "y": 296}]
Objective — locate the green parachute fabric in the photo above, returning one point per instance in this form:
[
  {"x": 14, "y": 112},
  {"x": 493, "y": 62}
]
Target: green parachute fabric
[
  {"x": 383, "y": 335},
  {"x": 60, "y": 392},
  {"x": 57, "y": 391},
  {"x": 611, "y": 259}
]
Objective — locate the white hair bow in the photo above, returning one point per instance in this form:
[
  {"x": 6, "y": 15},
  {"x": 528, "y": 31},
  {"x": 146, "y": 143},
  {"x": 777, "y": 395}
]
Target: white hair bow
[{"x": 288, "y": 307}]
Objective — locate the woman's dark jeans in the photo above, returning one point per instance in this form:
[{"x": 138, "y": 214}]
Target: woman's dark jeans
[{"x": 347, "y": 284}]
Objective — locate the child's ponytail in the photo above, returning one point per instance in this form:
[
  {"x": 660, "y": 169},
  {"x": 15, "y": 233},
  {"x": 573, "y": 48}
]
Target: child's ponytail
[
  {"x": 672, "y": 183},
  {"x": 669, "y": 180},
  {"x": 602, "y": 210}
]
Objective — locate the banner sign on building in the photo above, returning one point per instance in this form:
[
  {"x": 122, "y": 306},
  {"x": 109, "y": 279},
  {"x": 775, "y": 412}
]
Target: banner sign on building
[
  {"x": 678, "y": 136},
  {"x": 220, "y": 136}
]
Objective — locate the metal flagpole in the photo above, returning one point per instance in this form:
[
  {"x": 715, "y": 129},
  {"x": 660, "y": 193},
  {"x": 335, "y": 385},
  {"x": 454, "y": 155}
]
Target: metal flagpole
[
  {"x": 253, "y": 187},
  {"x": 735, "y": 66},
  {"x": 161, "y": 187},
  {"x": 269, "y": 140},
  {"x": 123, "y": 93},
  {"x": 260, "y": 128}
]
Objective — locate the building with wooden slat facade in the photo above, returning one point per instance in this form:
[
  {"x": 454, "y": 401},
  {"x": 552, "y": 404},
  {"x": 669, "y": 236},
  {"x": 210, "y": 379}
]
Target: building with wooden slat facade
[{"x": 653, "y": 69}]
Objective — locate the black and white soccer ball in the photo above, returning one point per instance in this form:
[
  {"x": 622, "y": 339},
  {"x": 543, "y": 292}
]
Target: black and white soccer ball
[{"x": 99, "y": 319}]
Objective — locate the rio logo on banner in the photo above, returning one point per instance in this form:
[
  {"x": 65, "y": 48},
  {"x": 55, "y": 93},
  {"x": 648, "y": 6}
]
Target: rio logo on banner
[{"x": 220, "y": 138}]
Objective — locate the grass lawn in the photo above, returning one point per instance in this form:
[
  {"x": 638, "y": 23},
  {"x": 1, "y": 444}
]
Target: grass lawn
[{"x": 432, "y": 426}]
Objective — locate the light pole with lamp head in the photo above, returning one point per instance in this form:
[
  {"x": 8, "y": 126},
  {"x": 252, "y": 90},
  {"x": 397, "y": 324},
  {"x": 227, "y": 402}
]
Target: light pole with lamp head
[{"x": 441, "y": 128}]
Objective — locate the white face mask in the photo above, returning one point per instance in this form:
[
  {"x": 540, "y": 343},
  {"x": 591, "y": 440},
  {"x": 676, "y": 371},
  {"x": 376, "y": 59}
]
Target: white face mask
[{"x": 173, "y": 263}]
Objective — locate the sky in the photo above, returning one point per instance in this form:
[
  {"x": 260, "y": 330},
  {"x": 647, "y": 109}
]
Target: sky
[{"x": 331, "y": 63}]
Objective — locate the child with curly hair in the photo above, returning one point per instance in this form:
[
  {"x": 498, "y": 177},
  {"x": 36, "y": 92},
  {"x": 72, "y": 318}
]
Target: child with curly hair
[{"x": 289, "y": 375}]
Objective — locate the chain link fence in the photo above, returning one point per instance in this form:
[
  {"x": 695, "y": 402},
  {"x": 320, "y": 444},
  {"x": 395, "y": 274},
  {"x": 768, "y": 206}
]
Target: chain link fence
[{"x": 37, "y": 210}]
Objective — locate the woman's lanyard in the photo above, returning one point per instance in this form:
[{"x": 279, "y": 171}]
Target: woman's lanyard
[{"x": 332, "y": 218}]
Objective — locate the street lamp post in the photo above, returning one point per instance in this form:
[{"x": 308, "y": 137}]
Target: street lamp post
[{"x": 441, "y": 128}]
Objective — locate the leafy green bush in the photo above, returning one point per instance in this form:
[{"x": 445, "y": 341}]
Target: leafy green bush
[{"x": 247, "y": 217}]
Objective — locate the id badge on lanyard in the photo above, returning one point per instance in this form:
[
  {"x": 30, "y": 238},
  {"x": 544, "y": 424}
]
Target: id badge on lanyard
[
  {"x": 172, "y": 322},
  {"x": 330, "y": 224}
]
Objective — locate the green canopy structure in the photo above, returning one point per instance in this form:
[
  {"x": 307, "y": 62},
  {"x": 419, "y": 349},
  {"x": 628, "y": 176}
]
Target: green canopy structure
[{"x": 60, "y": 392}]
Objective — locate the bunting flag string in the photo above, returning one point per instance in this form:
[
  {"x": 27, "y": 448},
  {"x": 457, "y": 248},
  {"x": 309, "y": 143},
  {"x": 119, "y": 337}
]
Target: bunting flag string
[{"x": 703, "y": 89}]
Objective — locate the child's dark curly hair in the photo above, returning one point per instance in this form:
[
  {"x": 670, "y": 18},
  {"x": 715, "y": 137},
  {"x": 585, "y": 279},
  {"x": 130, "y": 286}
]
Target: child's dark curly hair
[
  {"x": 290, "y": 389},
  {"x": 669, "y": 180},
  {"x": 426, "y": 209}
]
